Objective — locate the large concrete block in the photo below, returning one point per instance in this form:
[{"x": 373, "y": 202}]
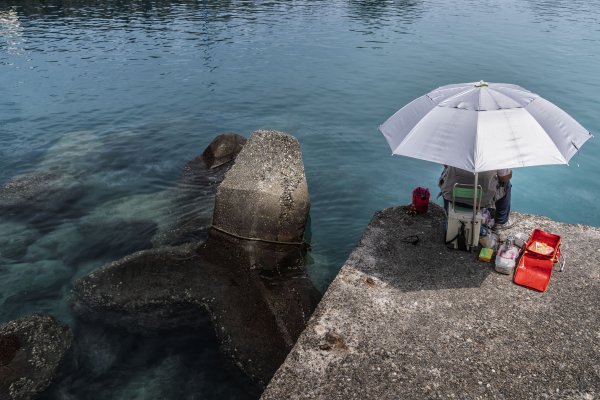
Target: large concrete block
[
  {"x": 265, "y": 194},
  {"x": 257, "y": 295}
]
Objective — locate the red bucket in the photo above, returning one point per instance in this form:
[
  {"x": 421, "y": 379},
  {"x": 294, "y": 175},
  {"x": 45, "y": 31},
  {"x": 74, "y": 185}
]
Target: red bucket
[{"x": 420, "y": 199}]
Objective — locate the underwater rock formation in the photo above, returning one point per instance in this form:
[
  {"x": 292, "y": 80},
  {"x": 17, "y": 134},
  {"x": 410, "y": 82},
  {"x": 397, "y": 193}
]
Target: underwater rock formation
[
  {"x": 15, "y": 237},
  {"x": 40, "y": 198},
  {"x": 150, "y": 289},
  {"x": 31, "y": 349},
  {"x": 257, "y": 295},
  {"x": 74, "y": 152},
  {"x": 265, "y": 194}
]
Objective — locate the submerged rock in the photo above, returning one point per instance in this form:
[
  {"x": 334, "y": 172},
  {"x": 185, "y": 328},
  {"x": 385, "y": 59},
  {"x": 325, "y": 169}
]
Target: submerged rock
[
  {"x": 223, "y": 149},
  {"x": 265, "y": 194},
  {"x": 31, "y": 349},
  {"x": 193, "y": 205},
  {"x": 15, "y": 237},
  {"x": 150, "y": 289},
  {"x": 26, "y": 188},
  {"x": 74, "y": 152},
  {"x": 41, "y": 198},
  {"x": 257, "y": 294}
]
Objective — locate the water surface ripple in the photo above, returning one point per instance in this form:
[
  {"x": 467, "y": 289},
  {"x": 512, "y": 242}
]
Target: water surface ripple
[{"x": 104, "y": 102}]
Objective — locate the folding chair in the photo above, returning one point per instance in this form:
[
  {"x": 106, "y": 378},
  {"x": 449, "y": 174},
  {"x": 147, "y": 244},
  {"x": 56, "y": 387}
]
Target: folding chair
[{"x": 460, "y": 215}]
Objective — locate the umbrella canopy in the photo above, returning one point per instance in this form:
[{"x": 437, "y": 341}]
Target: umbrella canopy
[{"x": 483, "y": 126}]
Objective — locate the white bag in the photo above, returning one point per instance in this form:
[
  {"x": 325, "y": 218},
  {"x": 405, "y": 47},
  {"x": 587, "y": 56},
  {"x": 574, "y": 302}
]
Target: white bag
[{"x": 506, "y": 259}]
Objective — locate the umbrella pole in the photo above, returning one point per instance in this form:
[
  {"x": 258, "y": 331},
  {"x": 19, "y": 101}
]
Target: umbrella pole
[{"x": 474, "y": 212}]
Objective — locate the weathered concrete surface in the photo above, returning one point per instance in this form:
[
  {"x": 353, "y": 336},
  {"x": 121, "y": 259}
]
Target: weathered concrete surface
[
  {"x": 265, "y": 194},
  {"x": 257, "y": 295},
  {"x": 421, "y": 321},
  {"x": 31, "y": 349}
]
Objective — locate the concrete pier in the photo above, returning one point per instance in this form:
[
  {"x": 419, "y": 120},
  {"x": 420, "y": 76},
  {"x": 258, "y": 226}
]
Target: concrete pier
[{"x": 405, "y": 320}]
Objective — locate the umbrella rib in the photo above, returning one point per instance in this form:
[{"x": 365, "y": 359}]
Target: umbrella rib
[
  {"x": 467, "y": 90},
  {"x": 512, "y": 133},
  {"x": 413, "y": 129},
  {"x": 495, "y": 102}
]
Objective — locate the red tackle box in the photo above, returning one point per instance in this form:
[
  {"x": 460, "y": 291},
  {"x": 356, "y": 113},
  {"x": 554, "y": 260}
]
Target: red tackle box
[{"x": 540, "y": 253}]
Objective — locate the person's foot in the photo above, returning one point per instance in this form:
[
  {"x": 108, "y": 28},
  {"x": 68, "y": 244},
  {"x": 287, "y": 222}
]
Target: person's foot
[{"x": 500, "y": 227}]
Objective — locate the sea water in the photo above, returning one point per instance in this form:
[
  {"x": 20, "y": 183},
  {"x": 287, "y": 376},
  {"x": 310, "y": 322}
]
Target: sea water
[{"x": 114, "y": 97}]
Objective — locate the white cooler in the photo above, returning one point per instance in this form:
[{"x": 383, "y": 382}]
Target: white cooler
[{"x": 455, "y": 218}]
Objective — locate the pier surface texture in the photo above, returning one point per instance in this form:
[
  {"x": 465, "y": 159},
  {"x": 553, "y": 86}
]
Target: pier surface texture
[{"x": 414, "y": 321}]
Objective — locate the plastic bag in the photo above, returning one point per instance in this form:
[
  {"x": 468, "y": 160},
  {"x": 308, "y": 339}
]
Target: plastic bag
[
  {"x": 487, "y": 219},
  {"x": 506, "y": 259},
  {"x": 490, "y": 240},
  {"x": 520, "y": 239}
]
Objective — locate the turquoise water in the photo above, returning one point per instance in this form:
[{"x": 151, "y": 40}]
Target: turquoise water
[{"x": 114, "y": 99}]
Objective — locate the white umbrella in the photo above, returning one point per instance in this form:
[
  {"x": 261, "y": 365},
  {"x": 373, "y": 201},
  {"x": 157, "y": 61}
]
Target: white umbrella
[{"x": 483, "y": 126}]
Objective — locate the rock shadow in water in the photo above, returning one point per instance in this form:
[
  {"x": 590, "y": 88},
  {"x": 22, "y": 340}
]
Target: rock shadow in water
[
  {"x": 111, "y": 240},
  {"x": 108, "y": 362}
]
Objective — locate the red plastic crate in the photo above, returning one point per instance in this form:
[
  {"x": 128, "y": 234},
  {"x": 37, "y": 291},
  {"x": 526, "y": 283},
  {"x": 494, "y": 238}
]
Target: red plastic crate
[
  {"x": 546, "y": 238},
  {"x": 535, "y": 269}
]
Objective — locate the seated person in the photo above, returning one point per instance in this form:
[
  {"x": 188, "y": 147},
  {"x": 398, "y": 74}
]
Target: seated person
[{"x": 496, "y": 191}]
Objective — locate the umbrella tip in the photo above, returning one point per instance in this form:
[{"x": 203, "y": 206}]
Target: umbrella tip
[{"x": 481, "y": 83}]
